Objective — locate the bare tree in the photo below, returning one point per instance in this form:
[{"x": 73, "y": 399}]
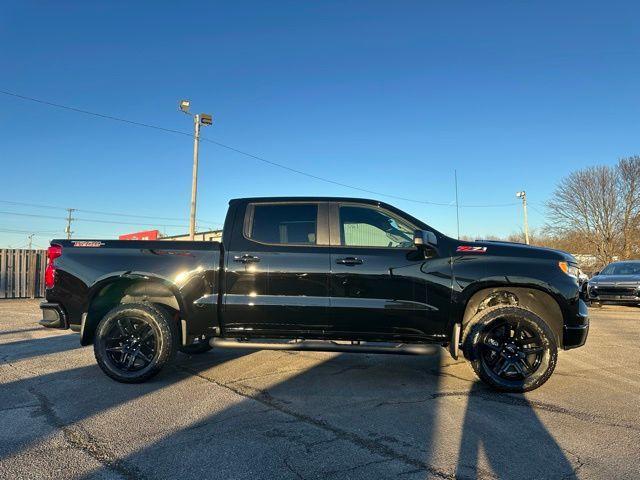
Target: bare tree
[
  {"x": 629, "y": 191},
  {"x": 602, "y": 206}
]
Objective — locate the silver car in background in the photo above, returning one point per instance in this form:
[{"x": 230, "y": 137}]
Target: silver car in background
[{"x": 617, "y": 283}]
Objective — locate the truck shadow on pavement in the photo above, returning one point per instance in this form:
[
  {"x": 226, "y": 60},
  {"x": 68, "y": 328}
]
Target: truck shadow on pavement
[
  {"x": 284, "y": 415},
  {"x": 507, "y": 430},
  {"x": 35, "y": 347}
]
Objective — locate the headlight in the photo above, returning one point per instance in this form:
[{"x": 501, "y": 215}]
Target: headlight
[{"x": 569, "y": 269}]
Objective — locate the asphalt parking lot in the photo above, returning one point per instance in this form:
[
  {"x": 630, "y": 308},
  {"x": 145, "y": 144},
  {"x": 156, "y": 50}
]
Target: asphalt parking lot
[{"x": 303, "y": 415}]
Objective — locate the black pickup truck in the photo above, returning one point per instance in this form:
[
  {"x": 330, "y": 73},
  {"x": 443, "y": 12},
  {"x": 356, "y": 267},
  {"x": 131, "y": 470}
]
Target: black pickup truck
[{"x": 324, "y": 274}]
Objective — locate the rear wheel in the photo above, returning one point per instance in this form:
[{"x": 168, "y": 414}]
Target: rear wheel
[
  {"x": 511, "y": 349},
  {"x": 134, "y": 341}
]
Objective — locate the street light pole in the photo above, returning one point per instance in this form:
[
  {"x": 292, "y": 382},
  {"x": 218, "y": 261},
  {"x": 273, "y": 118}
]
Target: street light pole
[
  {"x": 199, "y": 119},
  {"x": 523, "y": 195},
  {"x": 194, "y": 180},
  {"x": 455, "y": 174}
]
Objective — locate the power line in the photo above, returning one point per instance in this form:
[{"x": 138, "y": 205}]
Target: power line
[
  {"x": 89, "y": 220},
  {"x": 36, "y": 233},
  {"x": 96, "y": 212},
  {"x": 537, "y": 210},
  {"x": 250, "y": 155}
]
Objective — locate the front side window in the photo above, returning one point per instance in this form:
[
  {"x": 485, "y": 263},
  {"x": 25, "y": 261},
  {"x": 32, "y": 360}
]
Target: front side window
[
  {"x": 285, "y": 224},
  {"x": 369, "y": 227}
]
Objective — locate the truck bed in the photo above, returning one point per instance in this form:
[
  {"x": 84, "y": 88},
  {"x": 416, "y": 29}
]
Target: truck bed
[{"x": 188, "y": 271}]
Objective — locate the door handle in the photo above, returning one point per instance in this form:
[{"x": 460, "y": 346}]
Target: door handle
[
  {"x": 246, "y": 258},
  {"x": 349, "y": 261}
]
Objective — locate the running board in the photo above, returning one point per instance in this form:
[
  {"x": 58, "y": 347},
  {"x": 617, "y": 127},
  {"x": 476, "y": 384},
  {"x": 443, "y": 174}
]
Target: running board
[{"x": 328, "y": 346}]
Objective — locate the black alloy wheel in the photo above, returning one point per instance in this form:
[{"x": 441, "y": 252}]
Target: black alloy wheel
[
  {"x": 510, "y": 349},
  {"x": 131, "y": 344},
  {"x": 134, "y": 341}
]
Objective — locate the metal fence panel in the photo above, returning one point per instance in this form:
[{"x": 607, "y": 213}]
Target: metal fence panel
[{"x": 22, "y": 273}]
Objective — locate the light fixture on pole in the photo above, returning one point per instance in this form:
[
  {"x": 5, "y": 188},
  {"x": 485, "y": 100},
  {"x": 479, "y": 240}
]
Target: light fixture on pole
[
  {"x": 198, "y": 119},
  {"x": 523, "y": 195},
  {"x": 184, "y": 105}
]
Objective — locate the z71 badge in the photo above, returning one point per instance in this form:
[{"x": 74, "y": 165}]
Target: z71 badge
[
  {"x": 470, "y": 249},
  {"x": 84, "y": 243}
]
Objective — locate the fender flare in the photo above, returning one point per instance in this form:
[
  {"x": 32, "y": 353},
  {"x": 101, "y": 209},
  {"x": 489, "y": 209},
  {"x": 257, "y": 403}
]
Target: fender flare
[
  {"x": 88, "y": 324},
  {"x": 461, "y": 299}
]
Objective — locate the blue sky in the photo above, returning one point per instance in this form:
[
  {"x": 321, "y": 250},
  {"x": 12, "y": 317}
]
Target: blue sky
[{"x": 387, "y": 96}]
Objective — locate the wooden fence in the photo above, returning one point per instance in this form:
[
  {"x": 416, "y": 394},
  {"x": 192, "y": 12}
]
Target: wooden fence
[{"x": 22, "y": 273}]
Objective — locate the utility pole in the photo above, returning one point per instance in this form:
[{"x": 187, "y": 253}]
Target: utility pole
[
  {"x": 30, "y": 237},
  {"x": 523, "y": 195},
  {"x": 198, "y": 119},
  {"x": 194, "y": 179},
  {"x": 455, "y": 174},
  {"x": 69, "y": 220}
]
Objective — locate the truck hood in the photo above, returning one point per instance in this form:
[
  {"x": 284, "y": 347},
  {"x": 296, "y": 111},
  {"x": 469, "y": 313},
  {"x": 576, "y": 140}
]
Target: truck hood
[
  {"x": 611, "y": 279},
  {"x": 512, "y": 249}
]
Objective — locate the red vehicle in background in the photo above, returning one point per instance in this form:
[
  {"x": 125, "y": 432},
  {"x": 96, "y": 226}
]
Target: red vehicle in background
[{"x": 145, "y": 235}]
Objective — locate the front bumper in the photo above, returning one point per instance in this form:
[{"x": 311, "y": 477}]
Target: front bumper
[
  {"x": 53, "y": 315},
  {"x": 575, "y": 335},
  {"x": 620, "y": 294}
]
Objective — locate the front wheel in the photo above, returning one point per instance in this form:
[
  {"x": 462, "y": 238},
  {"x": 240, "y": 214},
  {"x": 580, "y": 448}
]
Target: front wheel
[
  {"x": 134, "y": 341},
  {"x": 511, "y": 349}
]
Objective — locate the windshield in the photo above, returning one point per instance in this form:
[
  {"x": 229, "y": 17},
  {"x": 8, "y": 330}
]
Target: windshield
[{"x": 624, "y": 268}]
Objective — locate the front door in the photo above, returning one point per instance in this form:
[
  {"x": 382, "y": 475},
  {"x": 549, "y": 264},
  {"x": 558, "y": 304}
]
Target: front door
[
  {"x": 277, "y": 277},
  {"x": 379, "y": 288}
]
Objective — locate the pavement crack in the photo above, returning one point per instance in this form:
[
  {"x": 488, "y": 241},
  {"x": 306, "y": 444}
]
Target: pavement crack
[
  {"x": 5, "y": 360},
  {"x": 433, "y": 396},
  {"x": 372, "y": 446},
  {"x": 549, "y": 407},
  {"x": 579, "y": 464},
  {"x": 17, "y": 407},
  {"x": 79, "y": 439},
  {"x": 507, "y": 399},
  {"x": 441, "y": 373},
  {"x": 265, "y": 375},
  {"x": 349, "y": 368},
  {"x": 292, "y": 470},
  {"x": 356, "y": 467}
]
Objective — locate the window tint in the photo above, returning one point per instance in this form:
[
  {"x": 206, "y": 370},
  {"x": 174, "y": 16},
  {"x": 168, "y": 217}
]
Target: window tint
[
  {"x": 368, "y": 227},
  {"x": 284, "y": 224}
]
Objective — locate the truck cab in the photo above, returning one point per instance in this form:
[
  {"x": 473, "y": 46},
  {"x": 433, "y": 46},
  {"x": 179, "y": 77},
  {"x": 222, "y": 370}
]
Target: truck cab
[{"x": 345, "y": 269}]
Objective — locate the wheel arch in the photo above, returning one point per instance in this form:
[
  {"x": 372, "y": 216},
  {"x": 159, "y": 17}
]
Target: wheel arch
[
  {"x": 536, "y": 300},
  {"x": 127, "y": 288}
]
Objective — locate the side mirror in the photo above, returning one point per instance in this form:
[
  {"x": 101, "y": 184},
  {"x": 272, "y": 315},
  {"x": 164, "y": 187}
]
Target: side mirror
[{"x": 424, "y": 238}]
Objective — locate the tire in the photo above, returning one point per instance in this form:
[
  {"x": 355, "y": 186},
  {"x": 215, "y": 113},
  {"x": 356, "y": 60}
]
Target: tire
[
  {"x": 511, "y": 349},
  {"x": 141, "y": 331},
  {"x": 196, "y": 348}
]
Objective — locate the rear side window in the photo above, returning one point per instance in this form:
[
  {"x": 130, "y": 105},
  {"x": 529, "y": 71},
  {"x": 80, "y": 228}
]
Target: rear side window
[{"x": 284, "y": 224}]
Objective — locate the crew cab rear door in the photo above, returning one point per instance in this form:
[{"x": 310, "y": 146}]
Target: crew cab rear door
[
  {"x": 380, "y": 285},
  {"x": 277, "y": 269}
]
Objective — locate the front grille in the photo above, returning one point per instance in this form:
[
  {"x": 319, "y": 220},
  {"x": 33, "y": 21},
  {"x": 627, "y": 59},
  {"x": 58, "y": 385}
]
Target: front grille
[{"x": 626, "y": 291}]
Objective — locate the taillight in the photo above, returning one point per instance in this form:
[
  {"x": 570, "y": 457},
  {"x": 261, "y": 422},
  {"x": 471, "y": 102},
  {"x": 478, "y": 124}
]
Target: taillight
[{"x": 53, "y": 252}]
